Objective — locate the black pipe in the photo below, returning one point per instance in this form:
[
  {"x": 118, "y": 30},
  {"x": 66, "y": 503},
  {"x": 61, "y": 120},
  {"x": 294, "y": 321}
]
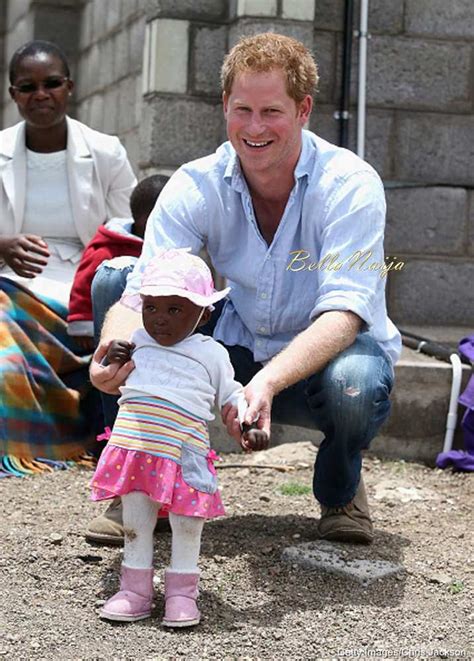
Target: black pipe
[
  {"x": 346, "y": 74},
  {"x": 429, "y": 347}
]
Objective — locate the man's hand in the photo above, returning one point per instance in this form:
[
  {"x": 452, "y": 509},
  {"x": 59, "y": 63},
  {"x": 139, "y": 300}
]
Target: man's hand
[
  {"x": 120, "y": 351},
  {"x": 26, "y": 254},
  {"x": 259, "y": 394},
  {"x": 108, "y": 378},
  {"x": 253, "y": 439}
]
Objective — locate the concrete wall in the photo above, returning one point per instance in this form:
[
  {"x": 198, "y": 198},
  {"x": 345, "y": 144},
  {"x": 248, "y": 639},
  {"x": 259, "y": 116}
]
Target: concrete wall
[{"x": 148, "y": 71}]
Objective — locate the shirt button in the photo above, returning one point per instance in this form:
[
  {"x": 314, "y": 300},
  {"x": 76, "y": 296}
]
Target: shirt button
[
  {"x": 263, "y": 295},
  {"x": 259, "y": 343},
  {"x": 262, "y": 329}
]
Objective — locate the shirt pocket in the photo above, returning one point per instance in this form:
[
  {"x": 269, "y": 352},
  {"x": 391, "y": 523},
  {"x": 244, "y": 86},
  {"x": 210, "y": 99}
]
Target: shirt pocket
[{"x": 195, "y": 470}]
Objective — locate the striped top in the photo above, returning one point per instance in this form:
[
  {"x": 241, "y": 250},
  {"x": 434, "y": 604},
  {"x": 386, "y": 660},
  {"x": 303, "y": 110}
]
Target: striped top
[{"x": 158, "y": 427}]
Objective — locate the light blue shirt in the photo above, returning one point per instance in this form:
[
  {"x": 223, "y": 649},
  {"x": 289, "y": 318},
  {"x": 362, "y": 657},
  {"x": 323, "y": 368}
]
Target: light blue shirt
[{"x": 336, "y": 208}]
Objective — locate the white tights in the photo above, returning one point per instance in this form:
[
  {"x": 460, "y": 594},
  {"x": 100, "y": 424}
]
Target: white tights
[{"x": 139, "y": 519}]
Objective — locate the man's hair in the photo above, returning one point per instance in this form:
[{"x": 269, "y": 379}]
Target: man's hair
[
  {"x": 33, "y": 48},
  {"x": 145, "y": 194},
  {"x": 268, "y": 51}
]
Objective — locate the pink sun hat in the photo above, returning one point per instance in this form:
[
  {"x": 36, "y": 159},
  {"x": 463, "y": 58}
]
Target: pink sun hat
[{"x": 176, "y": 272}]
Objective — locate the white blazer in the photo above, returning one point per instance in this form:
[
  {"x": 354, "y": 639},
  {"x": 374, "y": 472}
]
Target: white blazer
[{"x": 99, "y": 173}]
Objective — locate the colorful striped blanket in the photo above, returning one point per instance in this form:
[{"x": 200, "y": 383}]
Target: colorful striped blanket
[{"x": 42, "y": 384}]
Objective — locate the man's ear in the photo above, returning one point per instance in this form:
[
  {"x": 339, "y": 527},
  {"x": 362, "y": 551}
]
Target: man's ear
[
  {"x": 304, "y": 109},
  {"x": 225, "y": 102}
]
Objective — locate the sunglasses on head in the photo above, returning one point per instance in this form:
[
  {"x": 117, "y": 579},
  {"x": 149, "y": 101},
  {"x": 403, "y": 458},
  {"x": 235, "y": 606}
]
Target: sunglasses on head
[{"x": 48, "y": 84}]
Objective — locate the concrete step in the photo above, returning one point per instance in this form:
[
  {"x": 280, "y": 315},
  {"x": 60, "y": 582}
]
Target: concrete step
[{"x": 420, "y": 400}]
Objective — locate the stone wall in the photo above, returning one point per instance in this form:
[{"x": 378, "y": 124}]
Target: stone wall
[{"x": 148, "y": 71}]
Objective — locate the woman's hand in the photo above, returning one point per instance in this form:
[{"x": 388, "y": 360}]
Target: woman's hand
[
  {"x": 26, "y": 254},
  {"x": 108, "y": 378}
]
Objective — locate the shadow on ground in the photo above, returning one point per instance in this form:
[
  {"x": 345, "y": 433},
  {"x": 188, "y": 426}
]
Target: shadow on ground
[{"x": 241, "y": 556}]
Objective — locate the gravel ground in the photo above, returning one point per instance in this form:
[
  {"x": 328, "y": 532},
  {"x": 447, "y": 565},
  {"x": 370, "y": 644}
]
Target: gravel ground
[{"x": 254, "y": 606}]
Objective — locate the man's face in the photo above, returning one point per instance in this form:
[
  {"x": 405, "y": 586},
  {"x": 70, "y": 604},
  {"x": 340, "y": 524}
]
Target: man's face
[{"x": 264, "y": 123}]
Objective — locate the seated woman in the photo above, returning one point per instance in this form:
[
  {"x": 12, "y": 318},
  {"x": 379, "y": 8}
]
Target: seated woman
[{"x": 59, "y": 180}]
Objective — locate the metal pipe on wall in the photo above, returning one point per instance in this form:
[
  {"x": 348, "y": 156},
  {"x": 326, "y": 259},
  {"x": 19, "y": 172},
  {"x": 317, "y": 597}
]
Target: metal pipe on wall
[
  {"x": 361, "y": 91},
  {"x": 343, "y": 114}
]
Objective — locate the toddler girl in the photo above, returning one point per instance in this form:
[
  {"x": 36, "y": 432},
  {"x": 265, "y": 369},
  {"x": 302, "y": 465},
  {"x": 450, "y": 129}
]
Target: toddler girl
[{"x": 158, "y": 456}]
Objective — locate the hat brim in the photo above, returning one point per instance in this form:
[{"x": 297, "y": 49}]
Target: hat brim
[{"x": 134, "y": 301}]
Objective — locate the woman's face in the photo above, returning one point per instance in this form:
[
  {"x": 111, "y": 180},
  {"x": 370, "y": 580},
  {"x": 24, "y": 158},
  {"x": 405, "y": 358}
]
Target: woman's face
[{"x": 41, "y": 90}]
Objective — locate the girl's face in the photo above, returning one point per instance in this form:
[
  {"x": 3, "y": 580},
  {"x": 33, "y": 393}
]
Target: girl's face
[
  {"x": 41, "y": 90},
  {"x": 170, "y": 319}
]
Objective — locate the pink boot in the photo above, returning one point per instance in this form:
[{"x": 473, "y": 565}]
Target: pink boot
[
  {"x": 134, "y": 600},
  {"x": 181, "y": 592}
]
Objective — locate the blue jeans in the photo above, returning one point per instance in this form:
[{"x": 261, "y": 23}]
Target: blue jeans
[
  {"x": 106, "y": 289},
  {"x": 348, "y": 401}
]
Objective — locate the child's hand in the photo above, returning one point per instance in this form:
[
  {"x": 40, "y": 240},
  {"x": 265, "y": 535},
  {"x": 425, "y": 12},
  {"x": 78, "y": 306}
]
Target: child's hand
[
  {"x": 253, "y": 439},
  {"x": 120, "y": 351}
]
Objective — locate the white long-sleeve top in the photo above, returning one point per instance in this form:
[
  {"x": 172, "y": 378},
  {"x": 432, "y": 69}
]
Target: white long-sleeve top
[{"x": 195, "y": 374}]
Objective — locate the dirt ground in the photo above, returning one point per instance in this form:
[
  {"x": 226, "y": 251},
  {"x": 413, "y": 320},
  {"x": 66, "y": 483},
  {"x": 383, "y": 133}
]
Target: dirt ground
[{"x": 254, "y": 605}]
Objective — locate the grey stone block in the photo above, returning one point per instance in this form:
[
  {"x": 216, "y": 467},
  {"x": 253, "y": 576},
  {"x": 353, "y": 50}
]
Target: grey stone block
[
  {"x": 96, "y": 112},
  {"x": 384, "y": 15},
  {"x": 121, "y": 54},
  {"x": 187, "y": 9},
  {"x": 324, "y": 51},
  {"x": 16, "y": 11},
  {"x": 136, "y": 37},
  {"x": 248, "y": 26},
  {"x": 112, "y": 103},
  {"x": 470, "y": 233},
  {"x": 106, "y": 71},
  {"x": 169, "y": 135},
  {"x": 428, "y": 221},
  {"x": 85, "y": 29},
  {"x": 60, "y": 25},
  {"x": 434, "y": 148},
  {"x": 22, "y": 32},
  {"x": 433, "y": 292},
  {"x": 411, "y": 73},
  {"x": 379, "y": 128},
  {"x": 131, "y": 143},
  {"x": 323, "y": 123},
  {"x": 438, "y": 18},
  {"x": 126, "y": 104},
  {"x": 112, "y": 15},
  {"x": 208, "y": 47},
  {"x": 83, "y": 110},
  {"x": 416, "y": 427},
  {"x": 99, "y": 17},
  {"x": 338, "y": 559}
]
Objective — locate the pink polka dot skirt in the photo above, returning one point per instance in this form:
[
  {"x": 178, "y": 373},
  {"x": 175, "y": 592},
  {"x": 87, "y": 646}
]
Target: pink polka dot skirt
[{"x": 121, "y": 471}]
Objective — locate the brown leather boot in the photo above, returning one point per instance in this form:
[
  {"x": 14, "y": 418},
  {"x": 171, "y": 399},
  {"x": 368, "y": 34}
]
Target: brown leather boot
[
  {"x": 107, "y": 528},
  {"x": 349, "y": 523}
]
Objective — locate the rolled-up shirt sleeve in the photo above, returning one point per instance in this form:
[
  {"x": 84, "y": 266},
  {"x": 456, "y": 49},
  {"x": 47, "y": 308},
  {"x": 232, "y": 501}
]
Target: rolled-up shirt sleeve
[{"x": 352, "y": 243}]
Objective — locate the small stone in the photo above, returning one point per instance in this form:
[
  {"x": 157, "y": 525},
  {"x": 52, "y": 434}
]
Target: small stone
[
  {"x": 278, "y": 635},
  {"x": 264, "y": 497},
  {"x": 296, "y": 535},
  {"x": 439, "y": 578},
  {"x": 99, "y": 603},
  {"x": 55, "y": 538}
]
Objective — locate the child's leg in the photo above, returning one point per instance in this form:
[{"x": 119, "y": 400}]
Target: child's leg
[
  {"x": 186, "y": 542},
  {"x": 139, "y": 519},
  {"x": 182, "y": 578},
  {"x": 134, "y": 599}
]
